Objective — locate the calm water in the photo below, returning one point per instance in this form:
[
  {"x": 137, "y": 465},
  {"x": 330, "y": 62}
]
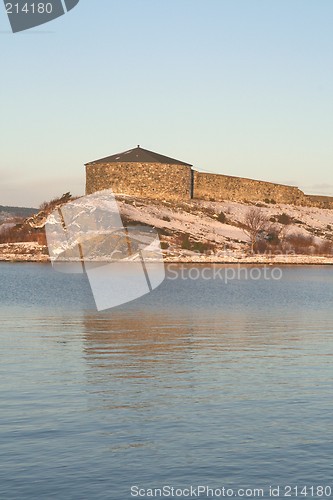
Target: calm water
[{"x": 199, "y": 383}]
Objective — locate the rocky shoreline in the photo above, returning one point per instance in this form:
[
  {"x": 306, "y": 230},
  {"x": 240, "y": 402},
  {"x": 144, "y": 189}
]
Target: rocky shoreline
[
  {"x": 23, "y": 252},
  {"x": 33, "y": 252}
]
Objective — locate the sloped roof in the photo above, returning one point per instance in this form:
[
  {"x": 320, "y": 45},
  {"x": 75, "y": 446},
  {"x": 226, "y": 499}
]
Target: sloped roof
[{"x": 139, "y": 155}]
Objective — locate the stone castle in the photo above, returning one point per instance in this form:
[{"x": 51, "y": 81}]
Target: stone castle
[{"x": 143, "y": 173}]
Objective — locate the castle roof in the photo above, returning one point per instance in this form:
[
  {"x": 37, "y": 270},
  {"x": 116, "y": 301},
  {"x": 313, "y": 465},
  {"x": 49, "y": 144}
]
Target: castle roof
[{"x": 139, "y": 155}]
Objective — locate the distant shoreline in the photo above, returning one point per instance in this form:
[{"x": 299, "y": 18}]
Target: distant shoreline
[
  {"x": 299, "y": 260},
  {"x": 33, "y": 252}
]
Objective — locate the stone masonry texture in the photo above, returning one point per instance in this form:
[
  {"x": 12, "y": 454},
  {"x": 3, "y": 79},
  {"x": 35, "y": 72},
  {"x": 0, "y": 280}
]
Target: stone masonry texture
[
  {"x": 223, "y": 187},
  {"x": 180, "y": 182},
  {"x": 151, "y": 180}
]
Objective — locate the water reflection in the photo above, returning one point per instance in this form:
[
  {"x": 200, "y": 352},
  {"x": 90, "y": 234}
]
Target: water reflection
[
  {"x": 137, "y": 342},
  {"x": 198, "y": 358},
  {"x": 171, "y": 384},
  {"x": 138, "y": 339},
  {"x": 195, "y": 382}
]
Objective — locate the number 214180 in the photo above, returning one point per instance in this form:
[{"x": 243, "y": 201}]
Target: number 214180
[{"x": 29, "y": 8}]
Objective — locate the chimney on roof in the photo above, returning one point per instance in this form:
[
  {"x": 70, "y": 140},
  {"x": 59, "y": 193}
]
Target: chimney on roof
[{"x": 138, "y": 145}]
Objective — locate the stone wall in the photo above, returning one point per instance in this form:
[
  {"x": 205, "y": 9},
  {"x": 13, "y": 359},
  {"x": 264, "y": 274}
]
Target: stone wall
[
  {"x": 180, "y": 182},
  {"x": 319, "y": 201},
  {"x": 153, "y": 180},
  {"x": 223, "y": 187}
]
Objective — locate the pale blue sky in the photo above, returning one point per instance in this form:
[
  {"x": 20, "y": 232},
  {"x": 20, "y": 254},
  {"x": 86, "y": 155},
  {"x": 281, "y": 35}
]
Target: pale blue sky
[{"x": 241, "y": 87}]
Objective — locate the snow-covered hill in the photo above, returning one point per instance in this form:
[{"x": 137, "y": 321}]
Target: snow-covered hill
[
  {"x": 204, "y": 231},
  {"x": 214, "y": 231}
]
